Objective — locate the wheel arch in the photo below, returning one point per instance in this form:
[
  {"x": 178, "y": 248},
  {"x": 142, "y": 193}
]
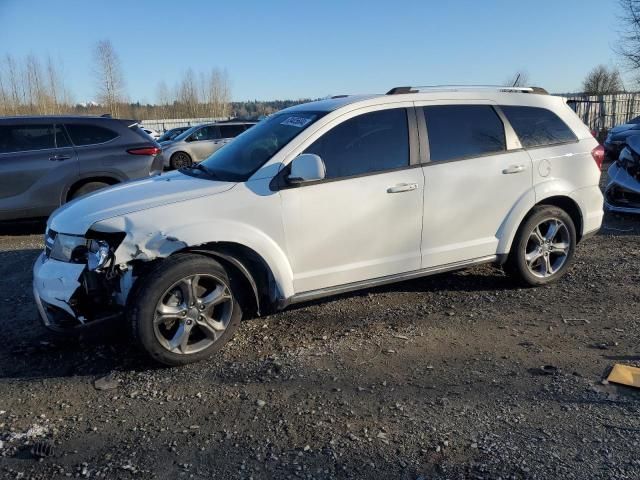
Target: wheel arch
[
  {"x": 73, "y": 188},
  {"x": 523, "y": 209},
  {"x": 248, "y": 271}
]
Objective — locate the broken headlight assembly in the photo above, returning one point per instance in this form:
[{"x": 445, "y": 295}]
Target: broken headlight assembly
[{"x": 94, "y": 252}]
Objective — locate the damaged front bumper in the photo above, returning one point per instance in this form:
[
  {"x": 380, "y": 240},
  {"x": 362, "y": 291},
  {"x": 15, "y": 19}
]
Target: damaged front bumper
[
  {"x": 66, "y": 297},
  {"x": 623, "y": 189}
]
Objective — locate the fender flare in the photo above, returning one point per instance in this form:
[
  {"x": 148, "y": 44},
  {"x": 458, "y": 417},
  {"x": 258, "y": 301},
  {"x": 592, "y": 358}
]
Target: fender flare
[
  {"x": 237, "y": 264},
  {"x": 552, "y": 188}
]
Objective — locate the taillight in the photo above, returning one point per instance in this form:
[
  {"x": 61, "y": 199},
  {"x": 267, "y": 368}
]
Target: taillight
[
  {"x": 144, "y": 151},
  {"x": 598, "y": 155}
]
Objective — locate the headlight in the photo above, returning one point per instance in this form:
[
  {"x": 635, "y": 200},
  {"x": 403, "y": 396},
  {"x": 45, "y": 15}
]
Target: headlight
[
  {"x": 69, "y": 248},
  {"x": 75, "y": 249},
  {"x": 98, "y": 254}
]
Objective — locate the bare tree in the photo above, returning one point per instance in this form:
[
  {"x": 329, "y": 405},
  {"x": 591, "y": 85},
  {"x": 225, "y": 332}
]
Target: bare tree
[
  {"x": 15, "y": 90},
  {"x": 519, "y": 79},
  {"x": 164, "y": 100},
  {"x": 109, "y": 78},
  {"x": 629, "y": 46},
  {"x": 602, "y": 81},
  {"x": 188, "y": 94}
]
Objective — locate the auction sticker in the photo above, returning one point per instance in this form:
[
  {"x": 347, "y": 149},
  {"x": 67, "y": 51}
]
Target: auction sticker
[{"x": 295, "y": 121}]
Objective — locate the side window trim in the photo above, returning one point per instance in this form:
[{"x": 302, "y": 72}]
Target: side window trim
[
  {"x": 425, "y": 154},
  {"x": 63, "y": 132},
  {"x": 279, "y": 180}
]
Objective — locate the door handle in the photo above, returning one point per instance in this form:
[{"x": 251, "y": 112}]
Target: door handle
[
  {"x": 513, "y": 169},
  {"x": 402, "y": 187},
  {"x": 57, "y": 158}
]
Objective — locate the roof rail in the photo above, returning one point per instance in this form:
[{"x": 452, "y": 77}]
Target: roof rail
[{"x": 458, "y": 88}]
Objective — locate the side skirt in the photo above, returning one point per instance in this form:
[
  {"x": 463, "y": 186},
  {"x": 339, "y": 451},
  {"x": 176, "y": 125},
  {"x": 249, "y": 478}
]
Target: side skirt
[{"x": 350, "y": 287}]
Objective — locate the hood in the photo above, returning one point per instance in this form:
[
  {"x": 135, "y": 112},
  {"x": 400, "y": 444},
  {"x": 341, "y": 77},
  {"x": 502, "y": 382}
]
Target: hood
[
  {"x": 77, "y": 216},
  {"x": 624, "y": 127}
]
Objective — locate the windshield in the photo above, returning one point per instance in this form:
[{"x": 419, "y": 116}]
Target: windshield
[{"x": 239, "y": 159}]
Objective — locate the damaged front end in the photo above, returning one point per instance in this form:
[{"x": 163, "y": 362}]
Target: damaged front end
[
  {"x": 622, "y": 193},
  {"x": 77, "y": 281}
]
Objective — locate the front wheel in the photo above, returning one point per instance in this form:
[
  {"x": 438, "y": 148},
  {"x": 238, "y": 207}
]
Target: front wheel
[
  {"x": 180, "y": 160},
  {"x": 543, "y": 247},
  {"x": 184, "y": 310}
]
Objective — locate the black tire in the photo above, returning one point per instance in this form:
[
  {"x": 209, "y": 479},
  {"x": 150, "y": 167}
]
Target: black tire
[
  {"x": 517, "y": 264},
  {"x": 180, "y": 160},
  {"x": 153, "y": 287},
  {"x": 87, "y": 188}
]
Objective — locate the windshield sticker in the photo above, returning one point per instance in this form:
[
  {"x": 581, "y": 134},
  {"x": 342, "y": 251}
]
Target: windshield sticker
[{"x": 297, "y": 121}]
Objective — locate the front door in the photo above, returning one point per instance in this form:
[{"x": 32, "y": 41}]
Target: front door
[
  {"x": 472, "y": 181},
  {"x": 364, "y": 220}
]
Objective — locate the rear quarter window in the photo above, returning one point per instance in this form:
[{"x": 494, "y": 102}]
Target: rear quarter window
[
  {"x": 83, "y": 134},
  {"x": 537, "y": 127}
]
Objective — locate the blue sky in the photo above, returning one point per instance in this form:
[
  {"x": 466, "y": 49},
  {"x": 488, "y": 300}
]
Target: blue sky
[{"x": 297, "y": 49}]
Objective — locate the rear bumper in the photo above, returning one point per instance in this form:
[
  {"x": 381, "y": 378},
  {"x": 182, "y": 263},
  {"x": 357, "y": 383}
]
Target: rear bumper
[{"x": 591, "y": 203}]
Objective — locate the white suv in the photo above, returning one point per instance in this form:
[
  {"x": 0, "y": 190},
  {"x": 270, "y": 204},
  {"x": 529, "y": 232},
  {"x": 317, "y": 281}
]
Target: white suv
[{"x": 323, "y": 198}]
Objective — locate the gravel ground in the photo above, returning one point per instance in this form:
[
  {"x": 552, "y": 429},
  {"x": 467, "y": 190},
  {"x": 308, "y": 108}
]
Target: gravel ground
[{"x": 434, "y": 378}]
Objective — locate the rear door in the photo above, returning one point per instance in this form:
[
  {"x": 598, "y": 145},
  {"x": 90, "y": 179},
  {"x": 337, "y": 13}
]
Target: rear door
[
  {"x": 98, "y": 150},
  {"x": 474, "y": 175},
  {"x": 36, "y": 163}
]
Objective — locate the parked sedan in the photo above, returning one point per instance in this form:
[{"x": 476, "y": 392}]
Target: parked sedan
[
  {"x": 198, "y": 143},
  {"x": 47, "y": 161},
  {"x": 618, "y": 135}
]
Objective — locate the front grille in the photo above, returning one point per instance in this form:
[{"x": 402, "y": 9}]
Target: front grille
[{"x": 49, "y": 240}]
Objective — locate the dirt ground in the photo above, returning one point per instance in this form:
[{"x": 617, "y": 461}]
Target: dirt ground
[{"x": 434, "y": 378}]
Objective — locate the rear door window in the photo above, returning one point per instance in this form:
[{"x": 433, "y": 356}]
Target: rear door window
[
  {"x": 463, "y": 131},
  {"x": 537, "y": 127},
  {"x": 230, "y": 131},
  {"x": 85, "y": 134},
  {"x": 371, "y": 142},
  {"x": 22, "y": 138}
]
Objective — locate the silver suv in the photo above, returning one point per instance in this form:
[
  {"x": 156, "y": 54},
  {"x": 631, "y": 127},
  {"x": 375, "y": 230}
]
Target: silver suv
[
  {"x": 47, "y": 161},
  {"x": 199, "y": 142}
]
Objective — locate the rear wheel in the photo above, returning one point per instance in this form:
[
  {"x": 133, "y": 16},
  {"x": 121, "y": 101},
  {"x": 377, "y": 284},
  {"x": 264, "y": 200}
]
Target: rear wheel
[
  {"x": 184, "y": 310},
  {"x": 87, "y": 188},
  {"x": 180, "y": 160},
  {"x": 544, "y": 246}
]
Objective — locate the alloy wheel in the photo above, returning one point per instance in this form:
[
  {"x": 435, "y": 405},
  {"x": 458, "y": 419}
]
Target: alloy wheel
[
  {"x": 547, "y": 248},
  {"x": 193, "y": 314}
]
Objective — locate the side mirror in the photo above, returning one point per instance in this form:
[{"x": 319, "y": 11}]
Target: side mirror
[{"x": 307, "y": 167}]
